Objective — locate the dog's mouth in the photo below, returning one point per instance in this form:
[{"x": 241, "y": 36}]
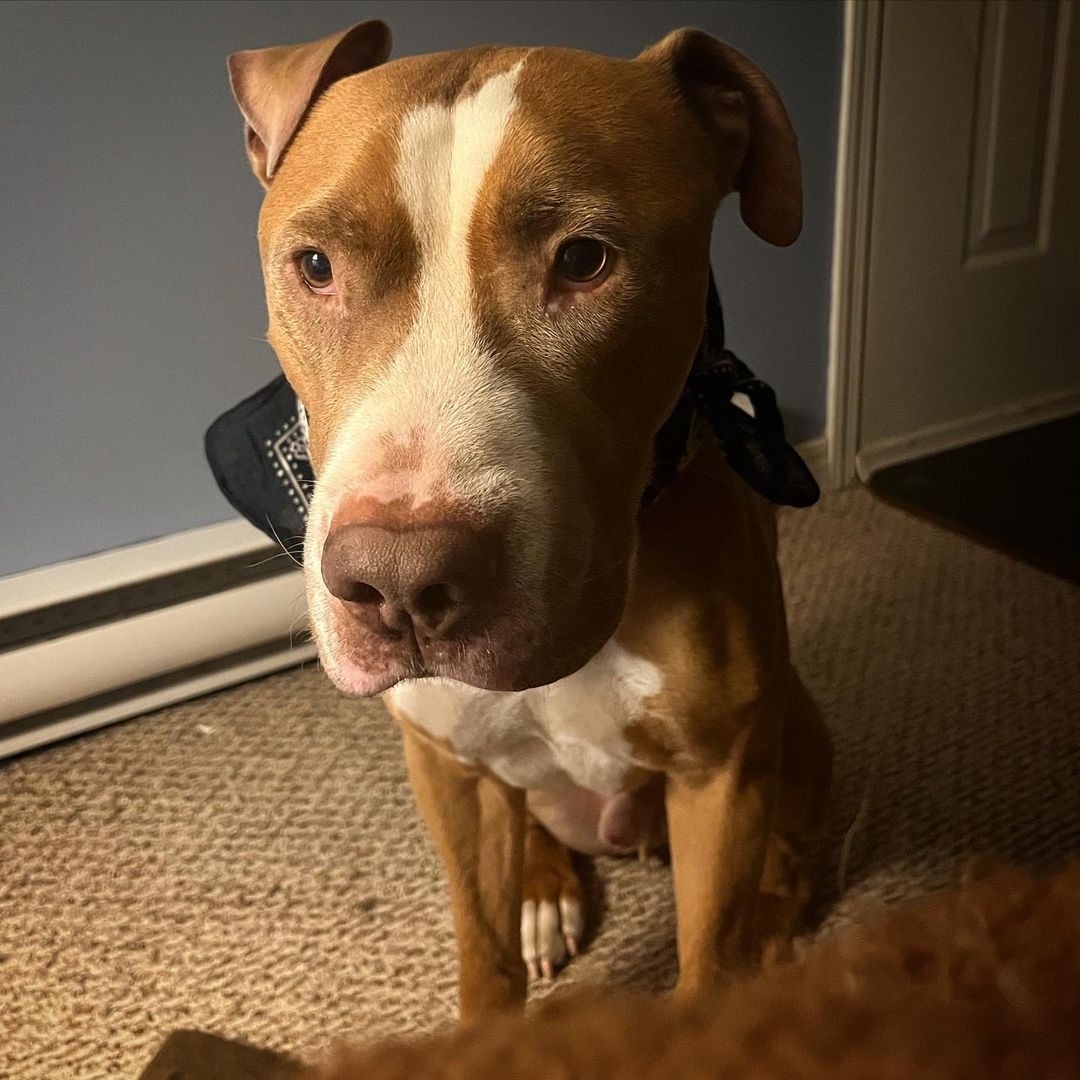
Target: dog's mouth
[
  {"x": 353, "y": 669},
  {"x": 516, "y": 648}
]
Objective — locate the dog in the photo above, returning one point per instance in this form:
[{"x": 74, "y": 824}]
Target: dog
[
  {"x": 977, "y": 984},
  {"x": 486, "y": 275}
]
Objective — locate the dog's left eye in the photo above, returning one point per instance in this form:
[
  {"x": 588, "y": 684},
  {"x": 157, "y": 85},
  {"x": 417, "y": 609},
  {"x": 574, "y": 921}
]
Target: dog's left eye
[
  {"x": 317, "y": 272},
  {"x": 580, "y": 260}
]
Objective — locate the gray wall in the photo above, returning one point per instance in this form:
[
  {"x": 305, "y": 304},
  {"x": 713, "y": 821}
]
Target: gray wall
[{"x": 131, "y": 309}]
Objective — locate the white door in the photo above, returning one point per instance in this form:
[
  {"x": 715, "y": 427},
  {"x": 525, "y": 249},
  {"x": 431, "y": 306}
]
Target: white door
[{"x": 973, "y": 294}]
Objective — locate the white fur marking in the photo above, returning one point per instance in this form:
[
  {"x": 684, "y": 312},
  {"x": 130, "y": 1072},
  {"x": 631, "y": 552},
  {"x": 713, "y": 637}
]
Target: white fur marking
[
  {"x": 570, "y": 733},
  {"x": 479, "y": 448}
]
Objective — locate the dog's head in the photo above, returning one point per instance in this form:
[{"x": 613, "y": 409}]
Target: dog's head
[{"x": 486, "y": 276}]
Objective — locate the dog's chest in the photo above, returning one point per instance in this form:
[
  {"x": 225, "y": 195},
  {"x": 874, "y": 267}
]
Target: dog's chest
[{"x": 571, "y": 733}]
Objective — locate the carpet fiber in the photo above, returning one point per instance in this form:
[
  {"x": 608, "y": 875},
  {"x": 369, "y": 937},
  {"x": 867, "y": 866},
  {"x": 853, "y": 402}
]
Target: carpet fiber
[{"x": 252, "y": 864}]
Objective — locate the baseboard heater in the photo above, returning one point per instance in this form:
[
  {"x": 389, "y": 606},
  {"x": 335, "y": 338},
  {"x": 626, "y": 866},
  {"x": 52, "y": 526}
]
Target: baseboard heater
[{"x": 105, "y": 638}]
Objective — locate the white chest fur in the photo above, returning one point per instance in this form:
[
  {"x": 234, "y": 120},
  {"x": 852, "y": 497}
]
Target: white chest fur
[{"x": 570, "y": 733}]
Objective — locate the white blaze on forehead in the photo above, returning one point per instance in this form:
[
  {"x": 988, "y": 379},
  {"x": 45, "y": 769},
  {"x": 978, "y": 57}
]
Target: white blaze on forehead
[
  {"x": 445, "y": 153},
  {"x": 443, "y": 393},
  {"x": 444, "y": 388}
]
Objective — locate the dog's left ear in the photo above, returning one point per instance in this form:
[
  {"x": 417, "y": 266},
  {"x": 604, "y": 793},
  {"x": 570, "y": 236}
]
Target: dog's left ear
[
  {"x": 275, "y": 87},
  {"x": 739, "y": 102}
]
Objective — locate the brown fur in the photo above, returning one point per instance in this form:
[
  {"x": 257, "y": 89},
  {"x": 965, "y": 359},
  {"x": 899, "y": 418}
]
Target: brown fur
[
  {"x": 692, "y": 586},
  {"x": 461, "y": 805},
  {"x": 548, "y": 873},
  {"x": 980, "y": 984},
  {"x": 747, "y": 757}
]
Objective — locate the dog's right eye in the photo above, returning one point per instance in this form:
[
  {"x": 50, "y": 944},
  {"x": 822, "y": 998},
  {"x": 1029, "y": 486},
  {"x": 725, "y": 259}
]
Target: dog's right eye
[
  {"x": 317, "y": 272},
  {"x": 580, "y": 259}
]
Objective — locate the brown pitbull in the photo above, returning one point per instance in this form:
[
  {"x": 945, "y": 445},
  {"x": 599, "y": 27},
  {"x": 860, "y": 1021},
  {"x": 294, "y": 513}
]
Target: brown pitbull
[{"x": 486, "y": 275}]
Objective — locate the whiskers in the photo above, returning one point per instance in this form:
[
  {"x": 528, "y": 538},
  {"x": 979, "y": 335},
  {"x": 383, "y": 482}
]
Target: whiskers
[
  {"x": 304, "y": 634},
  {"x": 271, "y": 558},
  {"x": 285, "y": 549}
]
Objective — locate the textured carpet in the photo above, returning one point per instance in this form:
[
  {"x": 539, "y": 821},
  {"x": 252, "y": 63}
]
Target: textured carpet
[{"x": 251, "y": 863}]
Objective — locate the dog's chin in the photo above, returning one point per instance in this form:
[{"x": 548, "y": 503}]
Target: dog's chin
[
  {"x": 502, "y": 675},
  {"x": 506, "y": 668}
]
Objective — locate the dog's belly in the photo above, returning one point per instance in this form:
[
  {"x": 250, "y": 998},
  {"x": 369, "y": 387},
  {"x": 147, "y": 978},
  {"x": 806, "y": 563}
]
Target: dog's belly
[{"x": 570, "y": 734}]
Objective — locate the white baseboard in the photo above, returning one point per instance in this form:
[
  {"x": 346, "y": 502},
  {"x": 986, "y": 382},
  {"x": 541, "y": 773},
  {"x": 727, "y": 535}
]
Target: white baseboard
[
  {"x": 55, "y": 673},
  {"x": 57, "y": 684},
  {"x": 130, "y": 565},
  {"x": 938, "y": 438},
  {"x": 17, "y": 738}
]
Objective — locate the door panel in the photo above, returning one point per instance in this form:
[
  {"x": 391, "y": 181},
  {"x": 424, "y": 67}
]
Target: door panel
[
  {"x": 973, "y": 301},
  {"x": 1015, "y": 136}
]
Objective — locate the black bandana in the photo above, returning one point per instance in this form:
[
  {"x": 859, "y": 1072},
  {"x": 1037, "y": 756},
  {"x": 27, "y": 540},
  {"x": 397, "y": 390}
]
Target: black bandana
[
  {"x": 258, "y": 450},
  {"x": 754, "y": 445}
]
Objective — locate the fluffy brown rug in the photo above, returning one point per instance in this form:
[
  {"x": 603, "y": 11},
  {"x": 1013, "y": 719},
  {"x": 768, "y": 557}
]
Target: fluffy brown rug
[{"x": 983, "y": 984}]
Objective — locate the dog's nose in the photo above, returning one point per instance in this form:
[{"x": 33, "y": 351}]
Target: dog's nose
[{"x": 428, "y": 576}]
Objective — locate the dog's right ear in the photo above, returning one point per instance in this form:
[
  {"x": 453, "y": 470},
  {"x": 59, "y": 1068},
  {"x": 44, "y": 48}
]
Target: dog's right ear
[
  {"x": 275, "y": 87},
  {"x": 744, "y": 109}
]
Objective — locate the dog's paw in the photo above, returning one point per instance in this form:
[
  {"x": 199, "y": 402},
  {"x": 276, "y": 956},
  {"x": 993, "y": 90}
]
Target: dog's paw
[
  {"x": 551, "y": 933},
  {"x": 552, "y": 909}
]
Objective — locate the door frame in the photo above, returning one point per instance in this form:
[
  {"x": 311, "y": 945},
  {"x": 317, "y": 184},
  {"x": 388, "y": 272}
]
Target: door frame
[
  {"x": 852, "y": 219},
  {"x": 852, "y": 235}
]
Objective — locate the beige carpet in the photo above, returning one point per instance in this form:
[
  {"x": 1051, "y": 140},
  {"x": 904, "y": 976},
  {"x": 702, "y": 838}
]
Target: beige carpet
[{"x": 251, "y": 863}]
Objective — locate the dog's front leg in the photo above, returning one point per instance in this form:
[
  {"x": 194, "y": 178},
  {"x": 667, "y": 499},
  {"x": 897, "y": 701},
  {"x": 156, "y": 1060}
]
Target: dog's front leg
[
  {"x": 478, "y": 824},
  {"x": 719, "y": 821}
]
